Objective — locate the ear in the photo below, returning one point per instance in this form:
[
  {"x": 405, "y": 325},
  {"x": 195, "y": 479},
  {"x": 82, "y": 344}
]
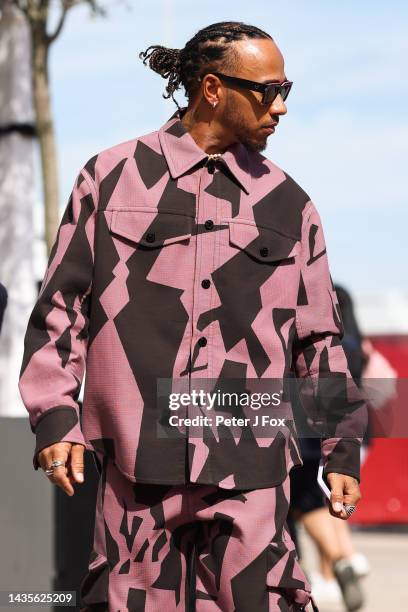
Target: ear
[{"x": 212, "y": 89}]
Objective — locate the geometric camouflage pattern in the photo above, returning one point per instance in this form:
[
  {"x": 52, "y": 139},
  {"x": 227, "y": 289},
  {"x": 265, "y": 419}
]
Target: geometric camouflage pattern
[
  {"x": 167, "y": 529},
  {"x": 169, "y": 267}
]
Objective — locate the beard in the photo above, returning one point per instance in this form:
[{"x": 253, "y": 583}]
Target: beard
[{"x": 235, "y": 121}]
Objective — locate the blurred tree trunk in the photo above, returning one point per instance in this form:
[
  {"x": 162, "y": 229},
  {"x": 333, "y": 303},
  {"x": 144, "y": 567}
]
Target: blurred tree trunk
[
  {"x": 37, "y": 13},
  {"x": 45, "y": 130}
]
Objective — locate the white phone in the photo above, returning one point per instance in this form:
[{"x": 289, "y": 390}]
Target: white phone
[{"x": 349, "y": 509}]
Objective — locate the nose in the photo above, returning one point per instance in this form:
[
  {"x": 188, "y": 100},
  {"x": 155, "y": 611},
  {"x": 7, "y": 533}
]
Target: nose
[{"x": 278, "y": 107}]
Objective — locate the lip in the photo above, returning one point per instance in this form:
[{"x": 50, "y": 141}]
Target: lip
[{"x": 270, "y": 129}]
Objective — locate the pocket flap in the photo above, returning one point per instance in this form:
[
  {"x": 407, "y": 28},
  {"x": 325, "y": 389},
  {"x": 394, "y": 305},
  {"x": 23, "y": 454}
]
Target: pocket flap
[
  {"x": 264, "y": 243},
  {"x": 151, "y": 228}
]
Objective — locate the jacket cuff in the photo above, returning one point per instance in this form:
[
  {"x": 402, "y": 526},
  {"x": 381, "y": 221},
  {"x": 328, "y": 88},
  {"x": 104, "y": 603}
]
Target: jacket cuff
[
  {"x": 59, "y": 424},
  {"x": 341, "y": 455}
]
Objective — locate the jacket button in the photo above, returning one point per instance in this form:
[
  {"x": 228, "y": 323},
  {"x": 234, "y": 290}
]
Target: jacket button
[
  {"x": 202, "y": 341},
  {"x": 263, "y": 251},
  {"x": 209, "y": 224},
  {"x": 150, "y": 237},
  {"x": 205, "y": 283}
]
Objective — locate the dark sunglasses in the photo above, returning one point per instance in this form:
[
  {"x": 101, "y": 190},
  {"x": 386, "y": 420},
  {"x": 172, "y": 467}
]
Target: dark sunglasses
[{"x": 269, "y": 90}]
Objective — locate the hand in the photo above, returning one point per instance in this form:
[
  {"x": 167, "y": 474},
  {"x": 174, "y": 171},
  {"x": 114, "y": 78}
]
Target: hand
[
  {"x": 344, "y": 490},
  {"x": 64, "y": 476}
]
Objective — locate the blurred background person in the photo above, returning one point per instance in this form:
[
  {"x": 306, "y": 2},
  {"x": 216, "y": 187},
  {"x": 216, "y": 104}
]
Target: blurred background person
[{"x": 341, "y": 566}]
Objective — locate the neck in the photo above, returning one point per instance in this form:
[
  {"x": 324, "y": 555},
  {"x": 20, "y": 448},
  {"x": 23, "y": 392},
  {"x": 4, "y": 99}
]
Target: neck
[{"x": 205, "y": 131}]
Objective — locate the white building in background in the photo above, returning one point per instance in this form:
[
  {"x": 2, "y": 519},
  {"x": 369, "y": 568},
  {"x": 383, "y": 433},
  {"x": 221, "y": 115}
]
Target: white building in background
[
  {"x": 385, "y": 313},
  {"x": 16, "y": 202}
]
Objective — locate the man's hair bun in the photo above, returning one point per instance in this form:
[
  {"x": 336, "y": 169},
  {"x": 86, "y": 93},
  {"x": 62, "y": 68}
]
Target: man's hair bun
[{"x": 165, "y": 62}]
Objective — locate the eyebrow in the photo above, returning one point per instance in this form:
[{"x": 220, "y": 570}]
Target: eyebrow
[{"x": 274, "y": 80}]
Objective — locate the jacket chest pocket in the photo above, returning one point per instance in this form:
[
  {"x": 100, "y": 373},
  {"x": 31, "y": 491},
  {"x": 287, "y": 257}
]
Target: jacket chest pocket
[
  {"x": 262, "y": 244},
  {"x": 150, "y": 228}
]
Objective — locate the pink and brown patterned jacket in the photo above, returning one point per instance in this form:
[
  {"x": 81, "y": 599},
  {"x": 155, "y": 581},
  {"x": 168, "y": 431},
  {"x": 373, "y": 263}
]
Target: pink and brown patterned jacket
[{"x": 168, "y": 265}]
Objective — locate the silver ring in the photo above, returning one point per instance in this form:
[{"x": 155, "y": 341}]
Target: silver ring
[
  {"x": 55, "y": 463},
  {"x": 349, "y": 508}
]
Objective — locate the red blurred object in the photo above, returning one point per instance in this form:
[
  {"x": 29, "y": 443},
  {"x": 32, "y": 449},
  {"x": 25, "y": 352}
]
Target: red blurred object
[{"x": 384, "y": 474}]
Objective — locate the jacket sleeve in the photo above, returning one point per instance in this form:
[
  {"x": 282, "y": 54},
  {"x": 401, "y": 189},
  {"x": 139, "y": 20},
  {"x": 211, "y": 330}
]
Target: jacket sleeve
[
  {"x": 331, "y": 399},
  {"x": 55, "y": 341}
]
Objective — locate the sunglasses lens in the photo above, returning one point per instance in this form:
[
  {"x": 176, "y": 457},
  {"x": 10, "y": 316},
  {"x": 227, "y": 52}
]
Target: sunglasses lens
[
  {"x": 285, "y": 91},
  {"x": 271, "y": 94},
  {"x": 274, "y": 90}
]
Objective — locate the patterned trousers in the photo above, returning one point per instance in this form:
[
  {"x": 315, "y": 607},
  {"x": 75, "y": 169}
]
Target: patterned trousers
[{"x": 163, "y": 547}]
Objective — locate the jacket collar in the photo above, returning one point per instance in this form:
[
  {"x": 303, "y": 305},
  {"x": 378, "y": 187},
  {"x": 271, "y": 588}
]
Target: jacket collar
[{"x": 182, "y": 152}]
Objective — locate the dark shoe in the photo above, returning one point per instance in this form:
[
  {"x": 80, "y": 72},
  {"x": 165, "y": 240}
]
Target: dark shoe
[{"x": 349, "y": 584}]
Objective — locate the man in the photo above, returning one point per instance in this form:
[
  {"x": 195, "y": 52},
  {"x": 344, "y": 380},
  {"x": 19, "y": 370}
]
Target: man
[{"x": 185, "y": 255}]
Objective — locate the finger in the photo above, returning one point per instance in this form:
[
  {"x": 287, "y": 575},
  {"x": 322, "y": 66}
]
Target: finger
[
  {"x": 46, "y": 454},
  {"x": 59, "y": 476},
  {"x": 337, "y": 498},
  {"x": 352, "y": 493},
  {"x": 352, "y": 499},
  {"x": 43, "y": 459},
  {"x": 76, "y": 462},
  {"x": 341, "y": 515}
]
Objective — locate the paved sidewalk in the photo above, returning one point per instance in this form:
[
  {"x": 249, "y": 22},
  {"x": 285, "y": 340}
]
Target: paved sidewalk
[{"x": 386, "y": 586}]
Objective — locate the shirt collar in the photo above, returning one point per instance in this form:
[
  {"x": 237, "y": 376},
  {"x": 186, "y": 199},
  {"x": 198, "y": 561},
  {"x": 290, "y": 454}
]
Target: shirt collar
[{"x": 182, "y": 152}]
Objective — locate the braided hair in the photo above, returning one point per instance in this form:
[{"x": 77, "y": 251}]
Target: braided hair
[{"x": 208, "y": 49}]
